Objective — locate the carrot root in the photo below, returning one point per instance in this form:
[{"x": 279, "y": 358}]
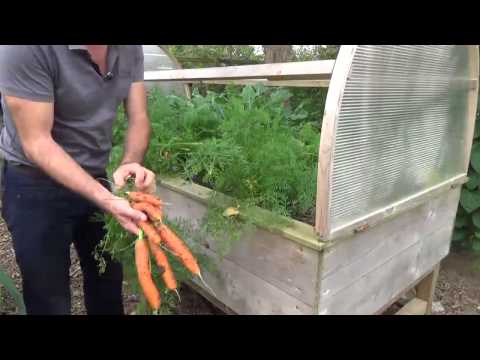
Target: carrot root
[
  {"x": 178, "y": 295},
  {"x": 142, "y": 261},
  {"x": 143, "y": 197},
  {"x": 177, "y": 247},
  {"x": 164, "y": 266},
  {"x": 150, "y": 231},
  {"x": 206, "y": 285},
  {"x": 154, "y": 213}
]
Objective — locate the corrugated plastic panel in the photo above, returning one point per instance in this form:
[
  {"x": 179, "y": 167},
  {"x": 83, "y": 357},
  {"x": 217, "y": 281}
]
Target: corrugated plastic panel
[{"x": 401, "y": 127}]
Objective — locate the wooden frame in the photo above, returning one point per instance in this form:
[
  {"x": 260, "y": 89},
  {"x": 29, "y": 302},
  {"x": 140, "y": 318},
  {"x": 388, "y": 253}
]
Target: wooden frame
[
  {"x": 472, "y": 101},
  {"x": 399, "y": 207},
  {"x": 408, "y": 238},
  {"x": 421, "y": 304},
  {"x": 325, "y": 156},
  {"x": 303, "y": 70},
  {"x": 266, "y": 82}
]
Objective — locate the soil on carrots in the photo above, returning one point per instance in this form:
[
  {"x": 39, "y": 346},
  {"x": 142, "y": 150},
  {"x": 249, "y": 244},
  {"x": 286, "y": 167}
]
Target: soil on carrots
[{"x": 457, "y": 292}]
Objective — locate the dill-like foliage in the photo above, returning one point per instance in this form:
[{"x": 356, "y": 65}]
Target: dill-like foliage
[
  {"x": 245, "y": 144},
  {"x": 257, "y": 145}
]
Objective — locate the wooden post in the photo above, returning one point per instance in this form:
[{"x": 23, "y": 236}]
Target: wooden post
[
  {"x": 414, "y": 307},
  {"x": 426, "y": 288}
]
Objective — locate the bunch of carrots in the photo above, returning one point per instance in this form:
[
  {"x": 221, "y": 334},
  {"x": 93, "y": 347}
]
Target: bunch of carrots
[{"x": 157, "y": 235}]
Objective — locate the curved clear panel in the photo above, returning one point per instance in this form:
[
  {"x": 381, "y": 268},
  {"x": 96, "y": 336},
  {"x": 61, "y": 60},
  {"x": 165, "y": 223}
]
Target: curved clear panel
[
  {"x": 156, "y": 59},
  {"x": 400, "y": 128}
]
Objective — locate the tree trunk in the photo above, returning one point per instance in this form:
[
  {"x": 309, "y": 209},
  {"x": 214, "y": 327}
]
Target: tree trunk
[{"x": 278, "y": 53}]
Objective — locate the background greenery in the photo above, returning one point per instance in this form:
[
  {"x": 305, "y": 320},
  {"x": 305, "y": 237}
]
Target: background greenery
[{"x": 467, "y": 225}]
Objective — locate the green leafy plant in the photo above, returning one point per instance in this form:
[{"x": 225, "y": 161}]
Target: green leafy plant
[
  {"x": 255, "y": 147},
  {"x": 243, "y": 143},
  {"x": 467, "y": 223},
  {"x": 10, "y": 287}
]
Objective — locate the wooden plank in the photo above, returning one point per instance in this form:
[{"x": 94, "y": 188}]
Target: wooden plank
[
  {"x": 436, "y": 249},
  {"x": 378, "y": 287},
  {"x": 473, "y": 52},
  {"x": 207, "y": 295},
  {"x": 297, "y": 231},
  {"x": 375, "y": 288},
  {"x": 372, "y": 278},
  {"x": 381, "y": 285},
  {"x": 265, "y": 82},
  {"x": 387, "y": 249},
  {"x": 426, "y": 289},
  {"x": 287, "y": 265},
  {"x": 247, "y": 294},
  {"x": 306, "y": 70},
  {"x": 409, "y": 289},
  {"x": 327, "y": 137},
  {"x": 413, "y": 307},
  {"x": 350, "y": 251},
  {"x": 393, "y": 210}
]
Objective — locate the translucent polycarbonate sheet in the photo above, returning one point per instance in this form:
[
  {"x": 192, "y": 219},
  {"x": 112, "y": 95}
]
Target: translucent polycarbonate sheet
[
  {"x": 401, "y": 127},
  {"x": 156, "y": 59}
]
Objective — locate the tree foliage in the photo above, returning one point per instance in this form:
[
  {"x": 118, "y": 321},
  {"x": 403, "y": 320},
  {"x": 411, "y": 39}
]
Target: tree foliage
[{"x": 197, "y": 56}]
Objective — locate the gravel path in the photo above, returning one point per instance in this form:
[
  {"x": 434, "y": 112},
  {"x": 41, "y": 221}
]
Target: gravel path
[{"x": 458, "y": 288}]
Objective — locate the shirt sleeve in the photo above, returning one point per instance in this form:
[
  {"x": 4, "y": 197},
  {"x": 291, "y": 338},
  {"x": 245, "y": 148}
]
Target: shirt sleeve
[
  {"x": 138, "y": 68},
  {"x": 24, "y": 73}
]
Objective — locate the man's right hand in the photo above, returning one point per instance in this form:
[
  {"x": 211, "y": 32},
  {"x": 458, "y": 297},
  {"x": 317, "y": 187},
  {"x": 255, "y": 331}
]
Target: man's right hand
[{"x": 124, "y": 213}]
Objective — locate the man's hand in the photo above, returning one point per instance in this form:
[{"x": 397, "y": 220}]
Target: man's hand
[
  {"x": 144, "y": 178},
  {"x": 125, "y": 214}
]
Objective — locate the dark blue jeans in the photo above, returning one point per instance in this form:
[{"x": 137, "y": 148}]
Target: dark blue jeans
[{"x": 44, "y": 218}]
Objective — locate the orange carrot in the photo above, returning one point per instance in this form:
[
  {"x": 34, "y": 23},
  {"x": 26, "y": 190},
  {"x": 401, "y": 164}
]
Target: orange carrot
[
  {"x": 155, "y": 214},
  {"x": 150, "y": 231},
  {"x": 178, "y": 248},
  {"x": 162, "y": 262},
  {"x": 143, "y": 197},
  {"x": 142, "y": 261}
]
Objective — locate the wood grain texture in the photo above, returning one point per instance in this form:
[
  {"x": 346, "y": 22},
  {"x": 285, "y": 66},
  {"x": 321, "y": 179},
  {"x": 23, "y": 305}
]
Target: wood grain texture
[
  {"x": 247, "y": 294},
  {"x": 301, "y": 70},
  {"x": 350, "y": 251},
  {"x": 279, "y": 262},
  {"x": 265, "y": 82},
  {"x": 327, "y": 137},
  {"x": 472, "y": 101},
  {"x": 413, "y": 307},
  {"x": 395, "y": 209},
  {"x": 426, "y": 288},
  {"x": 364, "y": 273}
]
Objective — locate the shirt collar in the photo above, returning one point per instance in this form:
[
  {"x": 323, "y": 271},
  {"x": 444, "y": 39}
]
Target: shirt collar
[{"x": 112, "y": 57}]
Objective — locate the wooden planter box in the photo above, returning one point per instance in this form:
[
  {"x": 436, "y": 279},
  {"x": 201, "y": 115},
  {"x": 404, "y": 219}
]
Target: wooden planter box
[
  {"x": 288, "y": 271},
  {"x": 395, "y": 149}
]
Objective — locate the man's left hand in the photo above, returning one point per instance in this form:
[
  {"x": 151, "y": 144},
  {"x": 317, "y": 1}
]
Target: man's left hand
[{"x": 144, "y": 178}]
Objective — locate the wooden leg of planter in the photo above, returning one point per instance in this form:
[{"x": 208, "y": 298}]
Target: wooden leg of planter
[
  {"x": 426, "y": 288},
  {"x": 415, "y": 306}
]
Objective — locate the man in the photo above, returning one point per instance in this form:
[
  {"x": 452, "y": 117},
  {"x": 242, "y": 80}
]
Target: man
[{"x": 59, "y": 104}]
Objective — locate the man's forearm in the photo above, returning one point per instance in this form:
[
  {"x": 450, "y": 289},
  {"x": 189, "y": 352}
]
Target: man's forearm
[
  {"x": 55, "y": 162},
  {"x": 136, "y": 140}
]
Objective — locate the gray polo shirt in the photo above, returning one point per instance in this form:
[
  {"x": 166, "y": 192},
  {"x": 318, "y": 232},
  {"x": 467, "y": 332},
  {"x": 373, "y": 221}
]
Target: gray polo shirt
[{"x": 85, "y": 102}]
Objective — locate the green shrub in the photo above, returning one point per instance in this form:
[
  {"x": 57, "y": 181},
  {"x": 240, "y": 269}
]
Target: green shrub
[
  {"x": 10, "y": 287},
  {"x": 467, "y": 224}
]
